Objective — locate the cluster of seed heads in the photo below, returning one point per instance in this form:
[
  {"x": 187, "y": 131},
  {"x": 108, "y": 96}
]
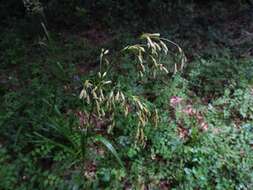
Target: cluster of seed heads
[
  {"x": 95, "y": 94},
  {"x": 106, "y": 102},
  {"x": 141, "y": 111},
  {"x": 149, "y": 55},
  {"x": 105, "y": 99}
]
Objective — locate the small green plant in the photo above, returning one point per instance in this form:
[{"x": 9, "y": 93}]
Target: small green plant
[
  {"x": 237, "y": 104},
  {"x": 106, "y": 101}
]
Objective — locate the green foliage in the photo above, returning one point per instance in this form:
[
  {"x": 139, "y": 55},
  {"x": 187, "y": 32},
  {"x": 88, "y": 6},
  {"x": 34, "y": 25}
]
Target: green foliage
[
  {"x": 205, "y": 160},
  {"x": 11, "y": 53},
  {"x": 237, "y": 104},
  {"x": 143, "y": 118},
  {"x": 213, "y": 75}
]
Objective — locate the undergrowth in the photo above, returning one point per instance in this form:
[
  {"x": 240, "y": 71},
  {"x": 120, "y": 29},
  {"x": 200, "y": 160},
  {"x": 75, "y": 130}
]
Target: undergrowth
[{"x": 144, "y": 118}]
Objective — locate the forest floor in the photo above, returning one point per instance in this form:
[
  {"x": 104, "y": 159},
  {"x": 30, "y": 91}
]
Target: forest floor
[{"x": 41, "y": 79}]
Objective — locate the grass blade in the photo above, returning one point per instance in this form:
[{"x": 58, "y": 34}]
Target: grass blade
[{"x": 110, "y": 147}]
